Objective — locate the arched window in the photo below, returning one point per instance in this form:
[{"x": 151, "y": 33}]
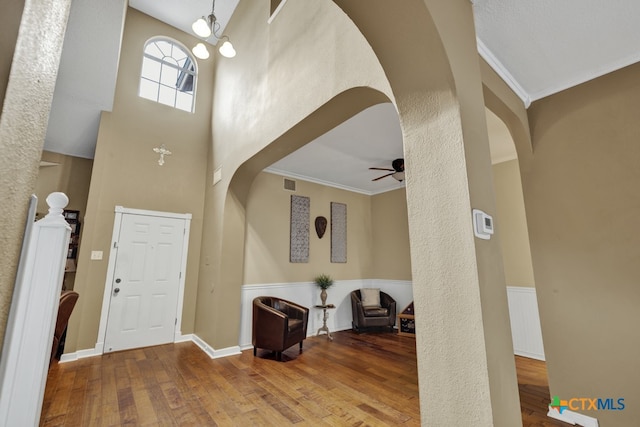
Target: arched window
[{"x": 168, "y": 74}]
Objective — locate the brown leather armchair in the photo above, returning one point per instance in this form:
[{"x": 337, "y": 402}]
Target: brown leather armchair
[
  {"x": 67, "y": 302},
  {"x": 370, "y": 317},
  {"x": 278, "y": 324}
]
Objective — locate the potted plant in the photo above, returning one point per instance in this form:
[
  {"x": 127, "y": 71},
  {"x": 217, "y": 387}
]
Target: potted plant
[{"x": 324, "y": 282}]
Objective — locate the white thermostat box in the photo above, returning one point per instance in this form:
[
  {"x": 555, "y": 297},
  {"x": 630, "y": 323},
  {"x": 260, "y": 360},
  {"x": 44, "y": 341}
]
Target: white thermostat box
[{"x": 482, "y": 224}]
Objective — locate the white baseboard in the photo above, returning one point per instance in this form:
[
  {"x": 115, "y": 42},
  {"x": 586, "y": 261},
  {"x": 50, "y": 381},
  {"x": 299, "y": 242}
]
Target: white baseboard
[
  {"x": 98, "y": 350},
  {"x": 204, "y": 346},
  {"x": 82, "y": 354},
  {"x": 183, "y": 338},
  {"x": 211, "y": 352},
  {"x": 572, "y": 418},
  {"x": 229, "y": 351},
  {"x": 530, "y": 355}
]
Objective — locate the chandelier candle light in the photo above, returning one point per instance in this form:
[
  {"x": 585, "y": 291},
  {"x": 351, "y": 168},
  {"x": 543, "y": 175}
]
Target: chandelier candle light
[{"x": 205, "y": 27}]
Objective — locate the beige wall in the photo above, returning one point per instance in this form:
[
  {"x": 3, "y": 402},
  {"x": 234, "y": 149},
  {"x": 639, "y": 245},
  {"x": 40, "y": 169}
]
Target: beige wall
[
  {"x": 581, "y": 195},
  {"x": 377, "y": 234},
  {"x": 267, "y": 237},
  {"x": 380, "y": 246},
  {"x": 390, "y": 228},
  {"x": 126, "y": 173},
  {"x": 383, "y": 232},
  {"x": 511, "y": 224}
]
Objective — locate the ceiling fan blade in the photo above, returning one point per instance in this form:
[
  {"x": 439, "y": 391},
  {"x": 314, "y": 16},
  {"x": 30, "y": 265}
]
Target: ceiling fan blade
[
  {"x": 381, "y": 169},
  {"x": 383, "y": 176}
]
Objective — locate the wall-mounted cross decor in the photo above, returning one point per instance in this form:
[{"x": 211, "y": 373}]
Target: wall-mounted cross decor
[{"x": 162, "y": 150}]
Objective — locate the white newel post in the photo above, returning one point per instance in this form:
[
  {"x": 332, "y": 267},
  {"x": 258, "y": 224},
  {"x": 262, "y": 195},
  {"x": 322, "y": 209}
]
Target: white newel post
[{"x": 24, "y": 362}]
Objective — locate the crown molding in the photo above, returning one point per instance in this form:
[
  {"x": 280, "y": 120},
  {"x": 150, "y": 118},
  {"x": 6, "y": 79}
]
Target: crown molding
[
  {"x": 329, "y": 183},
  {"x": 504, "y": 74}
]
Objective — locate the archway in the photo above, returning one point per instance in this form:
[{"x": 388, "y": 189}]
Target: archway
[
  {"x": 334, "y": 112},
  {"x": 435, "y": 79},
  {"x": 462, "y": 318}
]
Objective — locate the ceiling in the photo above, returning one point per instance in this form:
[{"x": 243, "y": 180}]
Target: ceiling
[
  {"x": 342, "y": 157},
  {"x": 542, "y": 47},
  {"x": 182, "y": 13},
  {"x": 538, "y": 47}
]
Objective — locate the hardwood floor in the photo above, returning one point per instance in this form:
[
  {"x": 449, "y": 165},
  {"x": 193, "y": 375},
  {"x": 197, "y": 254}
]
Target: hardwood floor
[
  {"x": 534, "y": 393},
  {"x": 368, "y": 379}
]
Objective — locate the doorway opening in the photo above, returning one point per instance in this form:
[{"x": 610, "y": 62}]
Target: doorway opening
[
  {"x": 518, "y": 270},
  {"x": 144, "y": 289}
]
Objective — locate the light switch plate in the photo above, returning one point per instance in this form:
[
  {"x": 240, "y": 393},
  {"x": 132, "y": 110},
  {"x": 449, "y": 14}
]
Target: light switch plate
[{"x": 96, "y": 255}]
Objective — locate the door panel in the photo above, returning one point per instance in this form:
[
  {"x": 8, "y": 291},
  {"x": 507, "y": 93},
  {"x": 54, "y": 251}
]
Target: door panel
[{"x": 146, "y": 282}]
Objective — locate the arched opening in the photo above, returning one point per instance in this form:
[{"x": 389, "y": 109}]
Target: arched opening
[
  {"x": 333, "y": 168},
  {"x": 512, "y": 230},
  {"x": 239, "y": 220},
  {"x": 462, "y": 318}
]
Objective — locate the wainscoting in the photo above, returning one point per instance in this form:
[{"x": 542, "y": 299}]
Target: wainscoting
[
  {"x": 308, "y": 295},
  {"x": 525, "y": 322}
]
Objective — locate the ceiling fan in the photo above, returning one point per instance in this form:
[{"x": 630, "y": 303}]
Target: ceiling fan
[{"x": 397, "y": 172}]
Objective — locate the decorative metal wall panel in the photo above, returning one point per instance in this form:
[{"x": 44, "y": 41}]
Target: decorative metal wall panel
[
  {"x": 299, "y": 246},
  {"x": 338, "y": 232}
]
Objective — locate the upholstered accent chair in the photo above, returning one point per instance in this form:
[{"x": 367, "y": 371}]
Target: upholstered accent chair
[
  {"x": 278, "y": 324},
  {"x": 67, "y": 303},
  {"x": 372, "y": 308}
]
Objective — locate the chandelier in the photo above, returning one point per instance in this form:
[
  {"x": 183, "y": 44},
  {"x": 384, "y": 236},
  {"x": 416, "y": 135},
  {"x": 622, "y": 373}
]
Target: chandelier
[{"x": 205, "y": 27}]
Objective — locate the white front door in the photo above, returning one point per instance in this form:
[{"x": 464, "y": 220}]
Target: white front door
[{"x": 146, "y": 282}]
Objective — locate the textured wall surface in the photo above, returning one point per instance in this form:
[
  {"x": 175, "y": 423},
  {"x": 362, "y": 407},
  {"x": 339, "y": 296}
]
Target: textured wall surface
[{"x": 23, "y": 126}]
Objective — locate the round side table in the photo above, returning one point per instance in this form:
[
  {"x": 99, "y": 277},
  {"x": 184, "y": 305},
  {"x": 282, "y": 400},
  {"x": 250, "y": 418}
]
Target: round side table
[{"x": 325, "y": 316}]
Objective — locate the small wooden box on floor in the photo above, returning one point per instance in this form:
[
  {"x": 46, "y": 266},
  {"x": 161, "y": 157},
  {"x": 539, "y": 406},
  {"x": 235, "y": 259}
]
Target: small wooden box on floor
[{"x": 406, "y": 322}]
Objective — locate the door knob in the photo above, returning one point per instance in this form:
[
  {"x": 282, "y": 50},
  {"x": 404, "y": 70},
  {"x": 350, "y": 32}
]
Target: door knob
[
  {"x": 116, "y": 290},
  {"x": 118, "y": 280}
]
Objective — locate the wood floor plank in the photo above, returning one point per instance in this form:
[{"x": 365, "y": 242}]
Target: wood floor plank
[
  {"x": 109, "y": 412},
  {"x": 355, "y": 380},
  {"x": 143, "y": 402}
]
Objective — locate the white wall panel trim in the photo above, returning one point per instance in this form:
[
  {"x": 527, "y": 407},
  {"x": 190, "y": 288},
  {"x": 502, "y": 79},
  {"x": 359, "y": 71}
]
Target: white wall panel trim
[
  {"x": 525, "y": 322},
  {"x": 308, "y": 295}
]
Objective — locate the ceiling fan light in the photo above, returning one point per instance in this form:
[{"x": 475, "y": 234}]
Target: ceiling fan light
[
  {"x": 399, "y": 176},
  {"x": 200, "y": 51},
  {"x": 201, "y": 27},
  {"x": 227, "y": 50}
]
